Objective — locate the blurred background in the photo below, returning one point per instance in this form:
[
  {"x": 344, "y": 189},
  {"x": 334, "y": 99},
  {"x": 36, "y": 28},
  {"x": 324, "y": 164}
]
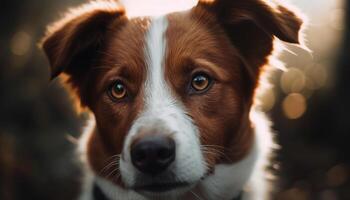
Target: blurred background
[{"x": 309, "y": 105}]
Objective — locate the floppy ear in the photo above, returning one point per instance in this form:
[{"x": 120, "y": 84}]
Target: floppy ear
[
  {"x": 72, "y": 44},
  {"x": 252, "y": 26}
]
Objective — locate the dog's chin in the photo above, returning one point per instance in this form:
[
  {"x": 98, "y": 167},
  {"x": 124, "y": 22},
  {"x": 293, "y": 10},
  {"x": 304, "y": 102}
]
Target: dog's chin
[
  {"x": 163, "y": 190},
  {"x": 170, "y": 183}
]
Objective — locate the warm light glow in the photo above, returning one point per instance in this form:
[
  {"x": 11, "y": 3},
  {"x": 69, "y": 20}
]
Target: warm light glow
[
  {"x": 317, "y": 76},
  {"x": 156, "y": 7},
  {"x": 294, "y": 106},
  {"x": 293, "y": 80},
  {"x": 337, "y": 19},
  {"x": 338, "y": 175},
  {"x": 295, "y": 193},
  {"x": 20, "y": 43},
  {"x": 268, "y": 100}
]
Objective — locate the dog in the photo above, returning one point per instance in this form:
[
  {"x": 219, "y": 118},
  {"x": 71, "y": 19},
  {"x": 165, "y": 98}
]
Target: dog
[{"x": 172, "y": 98}]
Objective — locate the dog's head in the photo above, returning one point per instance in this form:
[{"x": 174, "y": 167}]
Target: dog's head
[{"x": 170, "y": 94}]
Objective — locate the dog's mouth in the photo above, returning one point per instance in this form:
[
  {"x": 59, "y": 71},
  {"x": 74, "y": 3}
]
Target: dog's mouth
[{"x": 161, "y": 187}]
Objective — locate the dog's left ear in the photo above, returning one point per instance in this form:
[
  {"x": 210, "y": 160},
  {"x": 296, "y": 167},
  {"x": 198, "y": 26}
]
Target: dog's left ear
[
  {"x": 252, "y": 26},
  {"x": 74, "y": 43}
]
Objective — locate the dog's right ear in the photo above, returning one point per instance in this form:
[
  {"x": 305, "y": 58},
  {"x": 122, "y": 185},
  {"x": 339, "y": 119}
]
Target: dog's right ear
[
  {"x": 252, "y": 26},
  {"x": 72, "y": 43}
]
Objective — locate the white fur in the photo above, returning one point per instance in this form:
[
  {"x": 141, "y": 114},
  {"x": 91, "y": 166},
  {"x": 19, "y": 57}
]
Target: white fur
[
  {"x": 248, "y": 174},
  {"x": 229, "y": 180},
  {"x": 88, "y": 178},
  {"x": 258, "y": 187},
  {"x": 164, "y": 112}
]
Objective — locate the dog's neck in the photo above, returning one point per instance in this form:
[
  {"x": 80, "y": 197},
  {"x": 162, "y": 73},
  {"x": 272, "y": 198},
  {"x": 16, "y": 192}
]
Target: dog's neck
[
  {"x": 98, "y": 194},
  {"x": 226, "y": 182}
]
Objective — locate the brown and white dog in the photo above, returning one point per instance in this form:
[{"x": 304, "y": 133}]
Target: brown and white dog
[{"x": 172, "y": 97}]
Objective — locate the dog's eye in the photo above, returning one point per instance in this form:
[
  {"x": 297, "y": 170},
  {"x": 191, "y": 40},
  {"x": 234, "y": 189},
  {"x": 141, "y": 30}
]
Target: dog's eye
[
  {"x": 118, "y": 90},
  {"x": 200, "y": 82}
]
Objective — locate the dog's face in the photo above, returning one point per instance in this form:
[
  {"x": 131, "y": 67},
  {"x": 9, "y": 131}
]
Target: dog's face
[{"x": 170, "y": 94}]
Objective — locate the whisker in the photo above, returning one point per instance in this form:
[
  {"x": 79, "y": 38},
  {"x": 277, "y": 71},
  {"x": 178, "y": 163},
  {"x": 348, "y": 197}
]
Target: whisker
[
  {"x": 196, "y": 195},
  {"x": 112, "y": 157},
  {"x": 117, "y": 176},
  {"x": 214, "y": 146},
  {"x": 210, "y": 150},
  {"x": 111, "y": 164},
  {"x": 111, "y": 173},
  {"x": 213, "y": 150},
  {"x": 111, "y": 161}
]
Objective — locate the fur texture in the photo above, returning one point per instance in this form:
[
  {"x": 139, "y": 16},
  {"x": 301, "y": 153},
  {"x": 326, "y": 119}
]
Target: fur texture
[{"x": 222, "y": 140}]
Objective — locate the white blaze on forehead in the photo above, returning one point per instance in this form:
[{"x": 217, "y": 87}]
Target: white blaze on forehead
[
  {"x": 164, "y": 113},
  {"x": 155, "y": 86}
]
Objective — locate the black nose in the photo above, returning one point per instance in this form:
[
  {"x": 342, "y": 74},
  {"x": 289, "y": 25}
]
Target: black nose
[{"x": 153, "y": 154}]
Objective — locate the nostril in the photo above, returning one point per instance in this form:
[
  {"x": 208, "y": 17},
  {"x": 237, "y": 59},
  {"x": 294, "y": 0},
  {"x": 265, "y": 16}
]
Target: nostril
[
  {"x": 167, "y": 154},
  {"x": 164, "y": 154},
  {"x": 153, "y": 154},
  {"x": 139, "y": 156}
]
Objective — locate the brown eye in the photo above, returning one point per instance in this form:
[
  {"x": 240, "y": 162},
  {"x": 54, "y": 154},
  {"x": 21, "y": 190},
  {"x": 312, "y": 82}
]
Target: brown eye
[
  {"x": 200, "y": 82},
  {"x": 118, "y": 90}
]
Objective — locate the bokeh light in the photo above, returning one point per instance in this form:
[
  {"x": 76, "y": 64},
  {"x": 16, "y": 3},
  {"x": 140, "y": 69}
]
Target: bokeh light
[
  {"x": 293, "y": 80},
  {"x": 294, "y": 106},
  {"x": 294, "y": 194},
  {"x": 21, "y": 43},
  {"x": 337, "y": 175},
  {"x": 317, "y": 76}
]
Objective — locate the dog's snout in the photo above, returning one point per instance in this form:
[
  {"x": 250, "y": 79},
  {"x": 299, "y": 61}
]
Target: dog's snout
[{"x": 153, "y": 154}]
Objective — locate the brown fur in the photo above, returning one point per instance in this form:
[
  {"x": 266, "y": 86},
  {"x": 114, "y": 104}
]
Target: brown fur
[
  {"x": 122, "y": 59},
  {"x": 193, "y": 42},
  {"x": 229, "y": 40}
]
